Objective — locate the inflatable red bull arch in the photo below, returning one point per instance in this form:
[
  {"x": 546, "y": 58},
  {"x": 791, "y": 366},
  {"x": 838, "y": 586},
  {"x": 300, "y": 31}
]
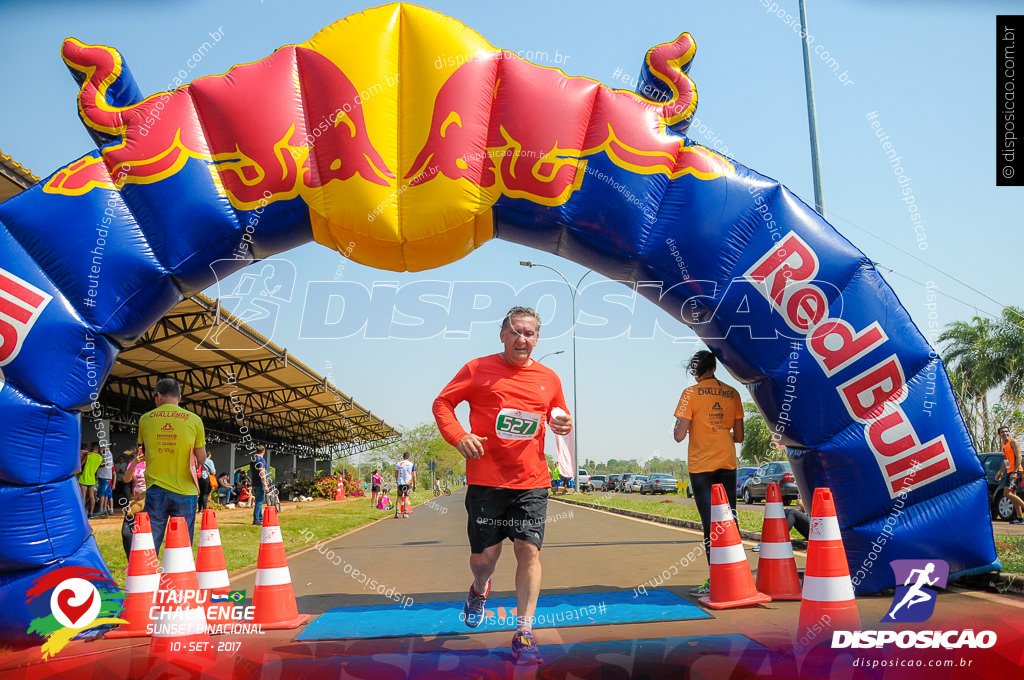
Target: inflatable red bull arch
[{"x": 405, "y": 133}]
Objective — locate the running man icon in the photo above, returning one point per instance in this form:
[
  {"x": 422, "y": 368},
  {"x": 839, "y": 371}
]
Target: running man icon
[{"x": 920, "y": 580}]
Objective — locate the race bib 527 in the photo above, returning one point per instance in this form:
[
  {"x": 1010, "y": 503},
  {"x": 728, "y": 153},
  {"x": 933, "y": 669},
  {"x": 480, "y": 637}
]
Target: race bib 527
[{"x": 516, "y": 424}]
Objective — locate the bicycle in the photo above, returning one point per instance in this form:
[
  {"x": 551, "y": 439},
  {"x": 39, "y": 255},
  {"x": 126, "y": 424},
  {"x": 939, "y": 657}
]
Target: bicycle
[{"x": 447, "y": 491}]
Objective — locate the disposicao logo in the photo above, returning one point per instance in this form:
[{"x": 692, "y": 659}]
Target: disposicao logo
[
  {"x": 914, "y": 601},
  {"x": 70, "y": 600}
]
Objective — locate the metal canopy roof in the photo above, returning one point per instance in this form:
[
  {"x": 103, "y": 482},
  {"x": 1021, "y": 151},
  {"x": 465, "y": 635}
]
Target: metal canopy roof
[
  {"x": 258, "y": 386},
  {"x": 13, "y": 177}
]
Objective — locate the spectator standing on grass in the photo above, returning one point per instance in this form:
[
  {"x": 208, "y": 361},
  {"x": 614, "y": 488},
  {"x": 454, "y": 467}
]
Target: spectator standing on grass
[
  {"x": 104, "y": 482},
  {"x": 134, "y": 480},
  {"x": 260, "y": 485},
  {"x": 87, "y": 479},
  {"x": 711, "y": 413},
  {"x": 376, "y": 482},
  {"x": 175, "y": 444},
  {"x": 511, "y": 397},
  {"x": 122, "y": 491},
  {"x": 207, "y": 471}
]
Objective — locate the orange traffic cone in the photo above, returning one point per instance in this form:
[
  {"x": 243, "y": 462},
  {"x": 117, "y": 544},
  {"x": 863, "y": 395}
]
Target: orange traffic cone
[
  {"x": 180, "y": 623},
  {"x": 732, "y": 584},
  {"x": 212, "y": 571},
  {"x": 828, "y": 600},
  {"x": 273, "y": 599},
  {"x": 776, "y": 566},
  {"x": 339, "y": 492},
  {"x": 142, "y": 583}
]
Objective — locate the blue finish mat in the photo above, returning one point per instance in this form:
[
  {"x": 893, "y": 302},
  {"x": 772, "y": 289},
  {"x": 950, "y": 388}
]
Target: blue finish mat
[{"x": 445, "y": 618}]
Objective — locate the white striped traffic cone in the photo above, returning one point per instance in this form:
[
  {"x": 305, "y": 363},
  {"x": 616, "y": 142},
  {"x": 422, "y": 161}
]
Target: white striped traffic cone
[
  {"x": 212, "y": 571},
  {"x": 180, "y": 623},
  {"x": 142, "y": 582},
  {"x": 274, "y": 597},
  {"x": 732, "y": 584},
  {"x": 828, "y": 601},
  {"x": 776, "y": 567}
]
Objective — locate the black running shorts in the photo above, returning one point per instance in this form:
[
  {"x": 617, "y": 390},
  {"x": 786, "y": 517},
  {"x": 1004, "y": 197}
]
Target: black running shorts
[
  {"x": 403, "y": 490},
  {"x": 496, "y": 514}
]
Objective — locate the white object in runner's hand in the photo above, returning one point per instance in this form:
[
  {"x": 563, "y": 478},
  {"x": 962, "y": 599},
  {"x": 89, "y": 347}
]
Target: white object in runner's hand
[{"x": 565, "y": 447}]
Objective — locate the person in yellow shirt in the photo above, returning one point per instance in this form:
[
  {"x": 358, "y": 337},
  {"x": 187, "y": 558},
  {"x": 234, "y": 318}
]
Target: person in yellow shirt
[
  {"x": 175, "y": 444},
  {"x": 87, "y": 479},
  {"x": 711, "y": 412}
]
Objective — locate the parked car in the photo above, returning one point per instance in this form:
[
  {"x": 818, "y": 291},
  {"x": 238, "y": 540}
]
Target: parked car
[
  {"x": 634, "y": 483},
  {"x": 992, "y": 462},
  {"x": 624, "y": 481},
  {"x": 755, "y": 488},
  {"x": 659, "y": 482},
  {"x": 583, "y": 480},
  {"x": 597, "y": 482},
  {"x": 612, "y": 483},
  {"x": 741, "y": 477}
]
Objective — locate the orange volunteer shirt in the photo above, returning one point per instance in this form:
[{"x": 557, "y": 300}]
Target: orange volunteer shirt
[
  {"x": 1012, "y": 464},
  {"x": 509, "y": 405},
  {"x": 712, "y": 409}
]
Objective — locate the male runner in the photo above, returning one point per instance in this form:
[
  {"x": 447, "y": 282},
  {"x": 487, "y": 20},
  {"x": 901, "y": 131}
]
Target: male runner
[
  {"x": 405, "y": 474},
  {"x": 510, "y": 398},
  {"x": 1012, "y": 467}
]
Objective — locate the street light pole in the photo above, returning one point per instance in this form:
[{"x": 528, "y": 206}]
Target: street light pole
[
  {"x": 812, "y": 118},
  {"x": 575, "y": 413}
]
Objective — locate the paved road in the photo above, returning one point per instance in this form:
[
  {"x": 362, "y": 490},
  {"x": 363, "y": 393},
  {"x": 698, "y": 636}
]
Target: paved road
[{"x": 586, "y": 551}]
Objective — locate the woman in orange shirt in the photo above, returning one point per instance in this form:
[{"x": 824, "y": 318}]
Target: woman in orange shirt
[{"x": 711, "y": 412}]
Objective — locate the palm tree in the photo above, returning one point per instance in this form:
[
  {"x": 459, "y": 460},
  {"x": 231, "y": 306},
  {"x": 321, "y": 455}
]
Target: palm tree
[
  {"x": 758, "y": 444},
  {"x": 978, "y": 359},
  {"x": 1009, "y": 350}
]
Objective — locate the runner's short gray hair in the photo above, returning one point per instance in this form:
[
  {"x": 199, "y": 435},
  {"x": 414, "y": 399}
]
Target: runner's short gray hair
[{"x": 519, "y": 311}]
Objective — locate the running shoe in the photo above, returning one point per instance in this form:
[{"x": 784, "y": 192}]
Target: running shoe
[
  {"x": 756, "y": 548},
  {"x": 473, "y": 610},
  {"x": 524, "y": 648},
  {"x": 703, "y": 589},
  {"x": 1016, "y": 521},
  {"x": 405, "y": 515}
]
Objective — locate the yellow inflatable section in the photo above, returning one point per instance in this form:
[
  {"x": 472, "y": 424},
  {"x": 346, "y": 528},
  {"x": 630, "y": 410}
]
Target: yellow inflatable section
[{"x": 398, "y": 57}]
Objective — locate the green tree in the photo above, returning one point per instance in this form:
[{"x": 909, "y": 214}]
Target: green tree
[
  {"x": 758, "y": 445},
  {"x": 984, "y": 356},
  {"x": 424, "y": 444}
]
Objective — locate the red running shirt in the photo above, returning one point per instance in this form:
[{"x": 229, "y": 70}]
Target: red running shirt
[{"x": 509, "y": 405}]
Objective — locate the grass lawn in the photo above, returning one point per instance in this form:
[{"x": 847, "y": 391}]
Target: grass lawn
[
  {"x": 1010, "y": 550},
  {"x": 748, "y": 520},
  {"x": 241, "y": 539}
]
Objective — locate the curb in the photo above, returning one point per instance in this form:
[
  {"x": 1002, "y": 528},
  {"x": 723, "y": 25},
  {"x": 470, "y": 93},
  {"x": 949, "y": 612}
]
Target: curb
[
  {"x": 1001, "y": 583},
  {"x": 798, "y": 543}
]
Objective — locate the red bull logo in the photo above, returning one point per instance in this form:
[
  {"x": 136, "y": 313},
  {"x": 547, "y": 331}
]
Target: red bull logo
[
  {"x": 873, "y": 397},
  {"x": 21, "y": 303},
  {"x": 255, "y": 145},
  {"x": 527, "y": 137}
]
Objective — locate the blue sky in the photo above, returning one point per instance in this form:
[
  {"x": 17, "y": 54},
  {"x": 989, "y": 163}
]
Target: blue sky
[{"x": 927, "y": 71}]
